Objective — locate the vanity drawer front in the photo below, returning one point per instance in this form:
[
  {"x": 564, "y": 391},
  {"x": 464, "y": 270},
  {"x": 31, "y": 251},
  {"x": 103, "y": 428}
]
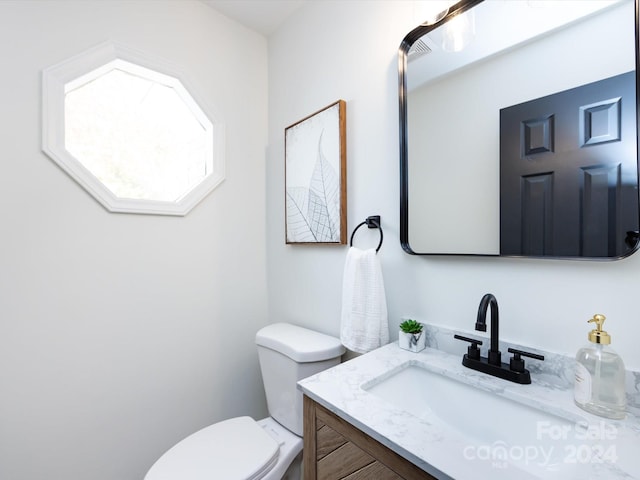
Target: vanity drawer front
[
  {"x": 336, "y": 450},
  {"x": 337, "y": 458}
]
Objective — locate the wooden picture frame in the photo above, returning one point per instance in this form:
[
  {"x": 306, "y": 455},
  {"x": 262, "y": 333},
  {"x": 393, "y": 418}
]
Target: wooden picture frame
[{"x": 315, "y": 178}]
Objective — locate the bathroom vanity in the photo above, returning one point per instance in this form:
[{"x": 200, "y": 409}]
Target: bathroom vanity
[
  {"x": 335, "y": 449},
  {"x": 394, "y": 414}
]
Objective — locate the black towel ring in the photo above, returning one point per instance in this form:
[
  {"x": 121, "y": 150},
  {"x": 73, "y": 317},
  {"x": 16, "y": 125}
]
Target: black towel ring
[{"x": 371, "y": 222}]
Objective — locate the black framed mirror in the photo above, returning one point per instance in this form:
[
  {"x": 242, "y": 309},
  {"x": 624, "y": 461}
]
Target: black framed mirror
[{"x": 521, "y": 139}]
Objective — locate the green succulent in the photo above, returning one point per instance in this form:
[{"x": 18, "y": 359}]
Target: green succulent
[{"x": 411, "y": 326}]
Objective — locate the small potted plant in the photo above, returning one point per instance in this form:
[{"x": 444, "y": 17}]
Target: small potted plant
[{"x": 411, "y": 336}]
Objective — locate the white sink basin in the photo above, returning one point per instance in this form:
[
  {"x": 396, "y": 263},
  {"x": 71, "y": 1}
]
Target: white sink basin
[{"x": 491, "y": 428}]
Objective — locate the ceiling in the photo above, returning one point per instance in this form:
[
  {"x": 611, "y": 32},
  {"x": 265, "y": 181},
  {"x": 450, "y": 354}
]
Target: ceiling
[{"x": 263, "y": 16}]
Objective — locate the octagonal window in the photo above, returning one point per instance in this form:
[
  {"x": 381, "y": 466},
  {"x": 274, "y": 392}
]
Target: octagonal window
[{"x": 133, "y": 137}]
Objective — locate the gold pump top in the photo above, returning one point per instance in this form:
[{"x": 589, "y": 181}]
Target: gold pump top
[{"x": 598, "y": 335}]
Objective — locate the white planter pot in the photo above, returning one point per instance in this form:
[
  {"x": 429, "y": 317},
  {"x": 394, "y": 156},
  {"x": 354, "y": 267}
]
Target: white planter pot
[{"x": 414, "y": 342}]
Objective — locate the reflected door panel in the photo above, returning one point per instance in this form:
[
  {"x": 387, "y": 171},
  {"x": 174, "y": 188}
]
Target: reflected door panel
[{"x": 568, "y": 172}]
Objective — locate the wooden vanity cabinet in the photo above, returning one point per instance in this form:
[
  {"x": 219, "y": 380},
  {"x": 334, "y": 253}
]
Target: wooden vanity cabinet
[{"x": 334, "y": 450}]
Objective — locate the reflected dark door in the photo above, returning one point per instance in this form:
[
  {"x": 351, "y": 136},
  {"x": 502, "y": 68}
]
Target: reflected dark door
[{"x": 568, "y": 172}]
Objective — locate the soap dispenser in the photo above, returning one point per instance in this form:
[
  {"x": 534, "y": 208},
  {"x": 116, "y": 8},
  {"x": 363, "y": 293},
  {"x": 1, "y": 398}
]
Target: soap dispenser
[{"x": 600, "y": 375}]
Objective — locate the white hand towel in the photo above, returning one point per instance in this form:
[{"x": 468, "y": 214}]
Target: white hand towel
[{"x": 364, "y": 326}]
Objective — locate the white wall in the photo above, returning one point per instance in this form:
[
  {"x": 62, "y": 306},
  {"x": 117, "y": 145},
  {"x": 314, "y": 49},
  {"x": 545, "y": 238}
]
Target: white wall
[
  {"x": 121, "y": 334},
  {"x": 348, "y": 50}
]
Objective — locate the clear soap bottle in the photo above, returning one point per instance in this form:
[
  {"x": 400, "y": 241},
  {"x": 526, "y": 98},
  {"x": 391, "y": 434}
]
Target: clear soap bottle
[{"x": 600, "y": 375}]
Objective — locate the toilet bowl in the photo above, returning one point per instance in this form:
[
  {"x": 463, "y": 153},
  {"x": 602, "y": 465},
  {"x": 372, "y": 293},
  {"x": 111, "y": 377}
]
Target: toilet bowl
[{"x": 242, "y": 448}]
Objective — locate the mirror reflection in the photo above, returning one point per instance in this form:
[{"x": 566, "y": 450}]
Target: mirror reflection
[{"x": 518, "y": 132}]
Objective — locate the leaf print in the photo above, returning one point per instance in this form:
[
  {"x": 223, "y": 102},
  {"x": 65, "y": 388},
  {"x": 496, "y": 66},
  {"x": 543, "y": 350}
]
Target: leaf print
[
  {"x": 319, "y": 220},
  {"x": 298, "y": 226},
  {"x": 325, "y": 185}
]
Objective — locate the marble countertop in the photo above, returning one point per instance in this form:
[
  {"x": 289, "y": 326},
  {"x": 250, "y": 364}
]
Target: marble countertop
[{"x": 591, "y": 447}]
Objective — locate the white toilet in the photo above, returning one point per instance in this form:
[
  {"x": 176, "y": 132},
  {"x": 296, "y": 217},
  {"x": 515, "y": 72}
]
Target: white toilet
[{"x": 269, "y": 449}]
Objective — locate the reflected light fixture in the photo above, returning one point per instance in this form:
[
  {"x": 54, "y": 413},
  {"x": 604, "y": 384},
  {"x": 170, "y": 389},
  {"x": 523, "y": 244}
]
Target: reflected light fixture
[
  {"x": 459, "y": 32},
  {"x": 431, "y": 11}
]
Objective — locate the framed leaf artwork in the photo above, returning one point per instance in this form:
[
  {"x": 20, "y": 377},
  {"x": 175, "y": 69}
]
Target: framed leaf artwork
[{"x": 315, "y": 177}]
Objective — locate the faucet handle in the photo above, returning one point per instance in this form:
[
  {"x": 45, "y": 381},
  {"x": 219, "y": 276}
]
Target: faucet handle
[
  {"x": 516, "y": 363},
  {"x": 473, "y": 351}
]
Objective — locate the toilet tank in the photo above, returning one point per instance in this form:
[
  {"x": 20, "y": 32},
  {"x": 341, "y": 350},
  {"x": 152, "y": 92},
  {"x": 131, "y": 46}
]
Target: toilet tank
[{"x": 289, "y": 353}]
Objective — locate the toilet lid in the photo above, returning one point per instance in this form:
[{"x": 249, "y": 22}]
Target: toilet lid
[{"x": 237, "y": 448}]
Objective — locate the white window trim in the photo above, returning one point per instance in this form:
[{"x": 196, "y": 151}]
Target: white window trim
[{"x": 75, "y": 70}]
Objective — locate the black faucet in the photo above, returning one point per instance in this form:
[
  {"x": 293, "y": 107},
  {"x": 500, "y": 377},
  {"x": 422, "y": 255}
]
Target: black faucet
[
  {"x": 481, "y": 325},
  {"x": 492, "y": 364}
]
